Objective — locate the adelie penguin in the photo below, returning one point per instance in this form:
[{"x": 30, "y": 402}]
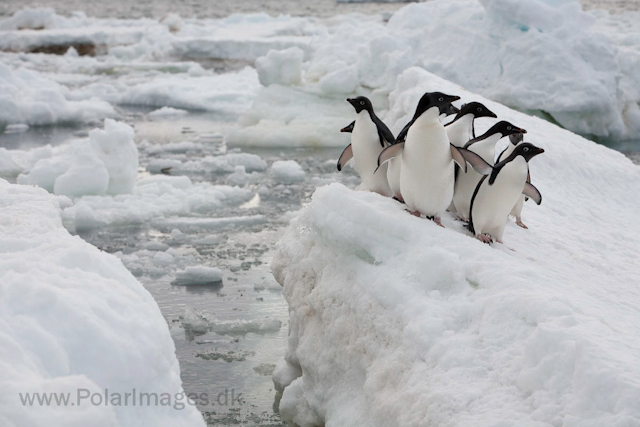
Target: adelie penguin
[
  {"x": 426, "y": 158},
  {"x": 369, "y": 137},
  {"x": 516, "y": 212},
  {"x": 484, "y": 146},
  {"x": 498, "y": 191},
  {"x": 461, "y": 129},
  {"x": 394, "y": 165}
]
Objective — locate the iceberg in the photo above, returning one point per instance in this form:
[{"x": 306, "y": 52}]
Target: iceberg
[{"x": 396, "y": 321}]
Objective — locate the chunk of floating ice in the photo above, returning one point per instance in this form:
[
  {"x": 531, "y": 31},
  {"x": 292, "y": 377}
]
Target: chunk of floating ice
[
  {"x": 166, "y": 112},
  {"x": 245, "y": 326},
  {"x": 208, "y": 223},
  {"x": 195, "y": 321},
  {"x": 105, "y": 163},
  {"x": 287, "y": 171},
  {"x": 16, "y": 128},
  {"x": 198, "y": 275}
]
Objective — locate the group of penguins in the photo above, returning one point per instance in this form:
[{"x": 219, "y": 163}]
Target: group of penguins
[{"x": 425, "y": 167}]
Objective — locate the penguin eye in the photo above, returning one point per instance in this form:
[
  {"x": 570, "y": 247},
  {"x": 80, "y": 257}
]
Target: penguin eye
[
  {"x": 361, "y": 102},
  {"x": 441, "y": 99},
  {"x": 525, "y": 149},
  {"x": 508, "y": 127},
  {"x": 479, "y": 109}
]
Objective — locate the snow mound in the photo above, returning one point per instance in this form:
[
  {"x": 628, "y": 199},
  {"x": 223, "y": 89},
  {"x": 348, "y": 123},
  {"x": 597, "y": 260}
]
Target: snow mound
[
  {"x": 26, "y": 97},
  {"x": 198, "y": 275},
  {"x": 72, "y": 318},
  {"x": 153, "y": 198},
  {"x": 105, "y": 163},
  {"x": 396, "y": 321},
  {"x": 287, "y": 172}
]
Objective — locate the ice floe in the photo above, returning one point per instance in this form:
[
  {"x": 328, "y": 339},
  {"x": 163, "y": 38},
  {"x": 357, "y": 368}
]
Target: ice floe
[
  {"x": 396, "y": 321},
  {"x": 74, "y": 320}
]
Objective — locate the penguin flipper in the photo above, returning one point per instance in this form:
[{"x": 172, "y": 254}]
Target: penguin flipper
[
  {"x": 532, "y": 192},
  {"x": 458, "y": 158},
  {"x": 346, "y": 155},
  {"x": 477, "y": 163},
  {"x": 349, "y": 128},
  {"x": 389, "y": 153}
]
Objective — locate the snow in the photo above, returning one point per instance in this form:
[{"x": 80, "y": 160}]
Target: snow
[
  {"x": 28, "y": 98},
  {"x": 72, "y": 317},
  {"x": 287, "y": 171},
  {"x": 104, "y": 163},
  {"x": 203, "y": 322},
  {"x": 198, "y": 275},
  {"x": 281, "y": 67},
  {"x": 165, "y": 112},
  {"x": 158, "y": 198},
  {"x": 549, "y": 58},
  {"x": 396, "y": 321}
]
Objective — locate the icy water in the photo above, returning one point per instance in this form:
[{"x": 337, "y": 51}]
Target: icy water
[{"x": 221, "y": 8}]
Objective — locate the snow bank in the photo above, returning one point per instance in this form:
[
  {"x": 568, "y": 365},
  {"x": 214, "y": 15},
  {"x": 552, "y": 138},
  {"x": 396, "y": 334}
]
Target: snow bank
[
  {"x": 71, "y": 318},
  {"x": 396, "y": 321},
  {"x": 281, "y": 67},
  {"x": 549, "y": 58},
  {"x": 26, "y": 97},
  {"x": 105, "y": 163}
]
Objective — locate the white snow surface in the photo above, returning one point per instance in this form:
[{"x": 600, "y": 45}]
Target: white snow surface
[
  {"x": 72, "y": 317},
  {"x": 395, "y": 321}
]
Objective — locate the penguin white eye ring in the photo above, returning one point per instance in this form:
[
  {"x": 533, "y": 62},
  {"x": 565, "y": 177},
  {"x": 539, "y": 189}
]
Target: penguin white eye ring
[
  {"x": 479, "y": 108},
  {"x": 361, "y": 102},
  {"x": 525, "y": 149},
  {"x": 508, "y": 127},
  {"x": 441, "y": 99}
]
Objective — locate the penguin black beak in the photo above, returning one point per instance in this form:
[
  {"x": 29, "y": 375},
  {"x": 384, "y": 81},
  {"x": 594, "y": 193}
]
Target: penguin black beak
[
  {"x": 453, "y": 98},
  {"x": 521, "y": 130},
  {"x": 492, "y": 114}
]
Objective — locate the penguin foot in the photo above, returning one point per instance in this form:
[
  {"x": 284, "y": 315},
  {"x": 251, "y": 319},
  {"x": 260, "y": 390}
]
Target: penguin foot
[
  {"x": 397, "y": 199},
  {"x": 484, "y": 238},
  {"x": 462, "y": 219},
  {"x": 437, "y": 220},
  {"x": 414, "y": 213},
  {"x": 521, "y": 224}
]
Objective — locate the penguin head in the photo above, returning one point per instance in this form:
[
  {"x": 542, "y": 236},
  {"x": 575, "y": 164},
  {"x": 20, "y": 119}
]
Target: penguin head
[
  {"x": 527, "y": 150},
  {"x": 516, "y": 138},
  {"x": 361, "y": 103},
  {"x": 506, "y": 129},
  {"x": 477, "y": 109},
  {"x": 434, "y": 99},
  {"x": 451, "y": 109}
]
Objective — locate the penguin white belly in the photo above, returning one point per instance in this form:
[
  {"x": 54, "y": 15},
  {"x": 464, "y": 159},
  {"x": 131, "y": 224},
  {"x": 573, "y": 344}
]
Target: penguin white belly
[
  {"x": 393, "y": 176},
  {"x": 517, "y": 208},
  {"x": 366, "y": 147},
  {"x": 493, "y": 203},
  {"x": 459, "y": 132},
  {"x": 466, "y": 183},
  {"x": 426, "y": 172}
]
